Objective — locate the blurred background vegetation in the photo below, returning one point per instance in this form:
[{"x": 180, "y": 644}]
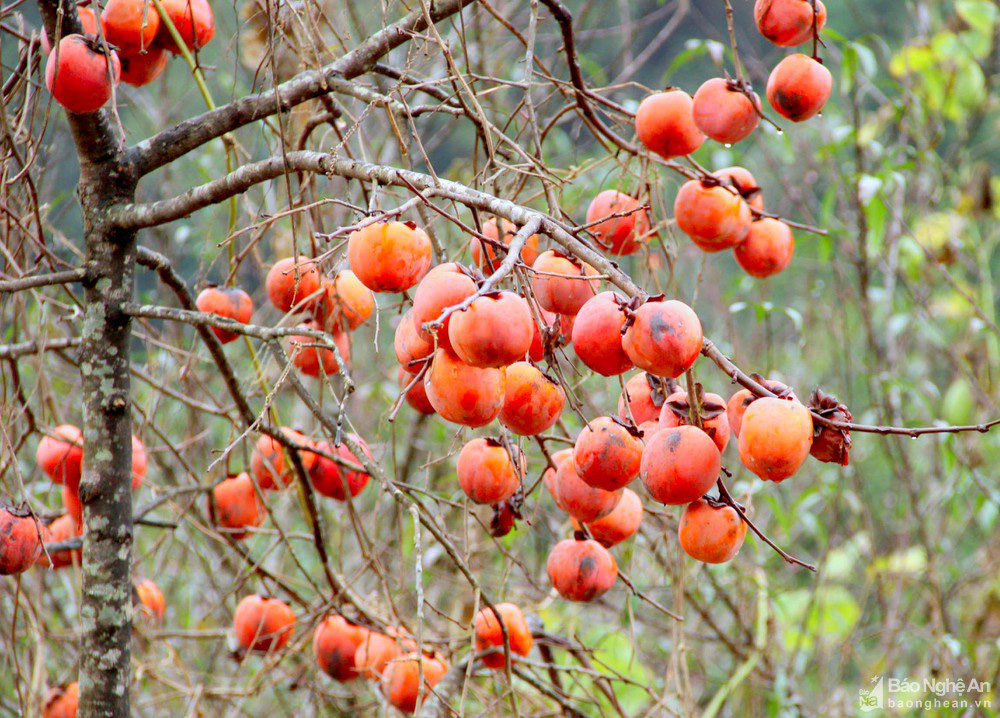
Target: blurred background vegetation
[{"x": 894, "y": 311}]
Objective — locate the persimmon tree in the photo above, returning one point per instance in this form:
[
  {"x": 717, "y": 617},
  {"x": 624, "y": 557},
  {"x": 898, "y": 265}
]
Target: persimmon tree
[{"x": 333, "y": 395}]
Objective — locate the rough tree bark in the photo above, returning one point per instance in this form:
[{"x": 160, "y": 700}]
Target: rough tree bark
[{"x": 106, "y": 485}]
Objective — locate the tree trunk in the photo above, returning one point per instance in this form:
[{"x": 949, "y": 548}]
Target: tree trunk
[{"x": 106, "y": 486}]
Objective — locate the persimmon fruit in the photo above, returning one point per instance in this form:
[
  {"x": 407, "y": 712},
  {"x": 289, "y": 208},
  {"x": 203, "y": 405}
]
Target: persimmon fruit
[
  {"x": 715, "y": 421},
  {"x": 333, "y": 480},
  {"x": 597, "y": 334},
  {"x": 61, "y": 701},
  {"x": 711, "y": 533},
  {"x": 788, "y": 23},
  {"x": 642, "y": 398},
  {"x": 665, "y": 124},
  {"x": 798, "y": 87},
  {"x": 664, "y": 339},
  {"x": 401, "y": 680},
  {"x": 151, "y": 599},
  {"x": 579, "y": 499},
  {"x": 622, "y": 235},
  {"x": 494, "y": 331},
  {"x": 607, "y": 454},
  {"x": 775, "y": 438},
  {"x": 714, "y": 217},
  {"x": 389, "y": 256},
  {"x": 492, "y": 259},
  {"x": 194, "y": 22},
  {"x": 561, "y": 284},
  {"x": 130, "y": 25},
  {"x": 533, "y": 402},
  {"x": 60, "y": 457},
  {"x": 619, "y": 525},
  {"x": 724, "y": 112},
  {"x": 581, "y": 570},
  {"x": 20, "y": 541},
  {"x": 142, "y": 68},
  {"x": 335, "y": 643},
  {"x": 768, "y": 248},
  {"x": 488, "y": 633},
  {"x": 411, "y": 348},
  {"x": 345, "y": 303},
  {"x": 463, "y": 394},
  {"x": 444, "y": 286},
  {"x": 237, "y": 505},
  {"x": 270, "y": 466},
  {"x": 76, "y": 74},
  {"x": 291, "y": 282},
  {"x": 312, "y": 358},
  {"x": 229, "y": 302},
  {"x": 263, "y": 624},
  {"x": 487, "y": 472},
  {"x": 680, "y": 464}
]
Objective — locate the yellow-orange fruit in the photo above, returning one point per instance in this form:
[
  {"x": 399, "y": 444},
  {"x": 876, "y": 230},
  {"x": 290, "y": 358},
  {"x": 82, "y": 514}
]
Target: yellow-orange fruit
[
  {"x": 291, "y": 281},
  {"x": 622, "y": 235},
  {"x": 335, "y": 644},
  {"x": 376, "y": 650},
  {"x": 416, "y": 396},
  {"x": 607, "y": 454},
  {"x": 712, "y": 534},
  {"x": 561, "y": 284},
  {"x": 312, "y": 358},
  {"x": 680, "y": 465},
  {"x": 581, "y": 570},
  {"x": 597, "y": 334},
  {"x": 444, "y": 286},
  {"x": 263, "y": 624},
  {"x": 723, "y": 112},
  {"x": 788, "y": 23},
  {"x": 463, "y": 394},
  {"x": 798, "y": 87},
  {"x": 768, "y": 248},
  {"x": 131, "y": 25},
  {"x": 61, "y": 702},
  {"x": 620, "y": 524},
  {"x": 151, "y": 598},
  {"x": 715, "y": 422},
  {"x": 549, "y": 476},
  {"x": 643, "y": 396},
  {"x": 60, "y": 456},
  {"x": 487, "y": 473},
  {"x": 578, "y": 498},
  {"x": 229, "y": 302},
  {"x": 268, "y": 462},
  {"x": 740, "y": 179},
  {"x": 237, "y": 505},
  {"x": 665, "y": 124},
  {"x": 494, "y": 331},
  {"x": 141, "y": 68},
  {"x": 20, "y": 541},
  {"x": 410, "y": 347},
  {"x": 665, "y": 338},
  {"x": 401, "y": 680},
  {"x": 345, "y": 303},
  {"x": 532, "y": 402},
  {"x": 489, "y": 633},
  {"x": 389, "y": 256},
  {"x": 714, "y": 217},
  {"x": 63, "y": 528},
  {"x": 194, "y": 22},
  {"x": 775, "y": 437},
  {"x": 529, "y": 252}
]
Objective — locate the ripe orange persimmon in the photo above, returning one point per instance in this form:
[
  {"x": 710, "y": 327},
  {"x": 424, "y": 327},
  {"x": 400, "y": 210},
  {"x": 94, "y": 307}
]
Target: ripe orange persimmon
[
  {"x": 768, "y": 248},
  {"x": 557, "y": 329},
  {"x": 620, "y": 524},
  {"x": 775, "y": 437},
  {"x": 740, "y": 179},
  {"x": 665, "y": 124},
  {"x": 529, "y": 252},
  {"x": 345, "y": 303},
  {"x": 715, "y": 422},
  {"x": 494, "y": 331},
  {"x": 597, "y": 334},
  {"x": 138, "y": 462},
  {"x": 77, "y": 74},
  {"x": 533, "y": 402},
  {"x": 711, "y": 533},
  {"x": 312, "y": 358},
  {"x": 714, "y": 217},
  {"x": 607, "y": 454},
  {"x": 643, "y": 396},
  {"x": 194, "y": 22},
  {"x": 20, "y": 541},
  {"x": 376, "y": 650},
  {"x": 489, "y": 633},
  {"x": 237, "y": 505},
  {"x": 486, "y": 471},
  {"x": 463, "y": 394},
  {"x": 549, "y": 476},
  {"x": 664, "y": 339},
  {"x": 151, "y": 599},
  {"x": 60, "y": 456},
  {"x": 335, "y": 644},
  {"x": 229, "y": 302},
  {"x": 292, "y": 281},
  {"x": 63, "y": 528},
  {"x": 798, "y": 87},
  {"x": 618, "y": 235},
  {"x": 269, "y": 464},
  {"x": 331, "y": 479},
  {"x": 131, "y": 25},
  {"x": 648, "y": 428},
  {"x": 560, "y": 283},
  {"x": 61, "y": 702},
  {"x": 263, "y": 624},
  {"x": 723, "y": 112},
  {"x": 141, "y": 68},
  {"x": 579, "y": 499},
  {"x": 411, "y": 348},
  {"x": 788, "y": 23},
  {"x": 581, "y": 570},
  {"x": 401, "y": 680},
  {"x": 680, "y": 465},
  {"x": 389, "y": 256},
  {"x": 444, "y": 286}
]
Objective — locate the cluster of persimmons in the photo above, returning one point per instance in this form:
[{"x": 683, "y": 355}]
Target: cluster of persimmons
[
  {"x": 469, "y": 348},
  {"x": 128, "y": 42}
]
